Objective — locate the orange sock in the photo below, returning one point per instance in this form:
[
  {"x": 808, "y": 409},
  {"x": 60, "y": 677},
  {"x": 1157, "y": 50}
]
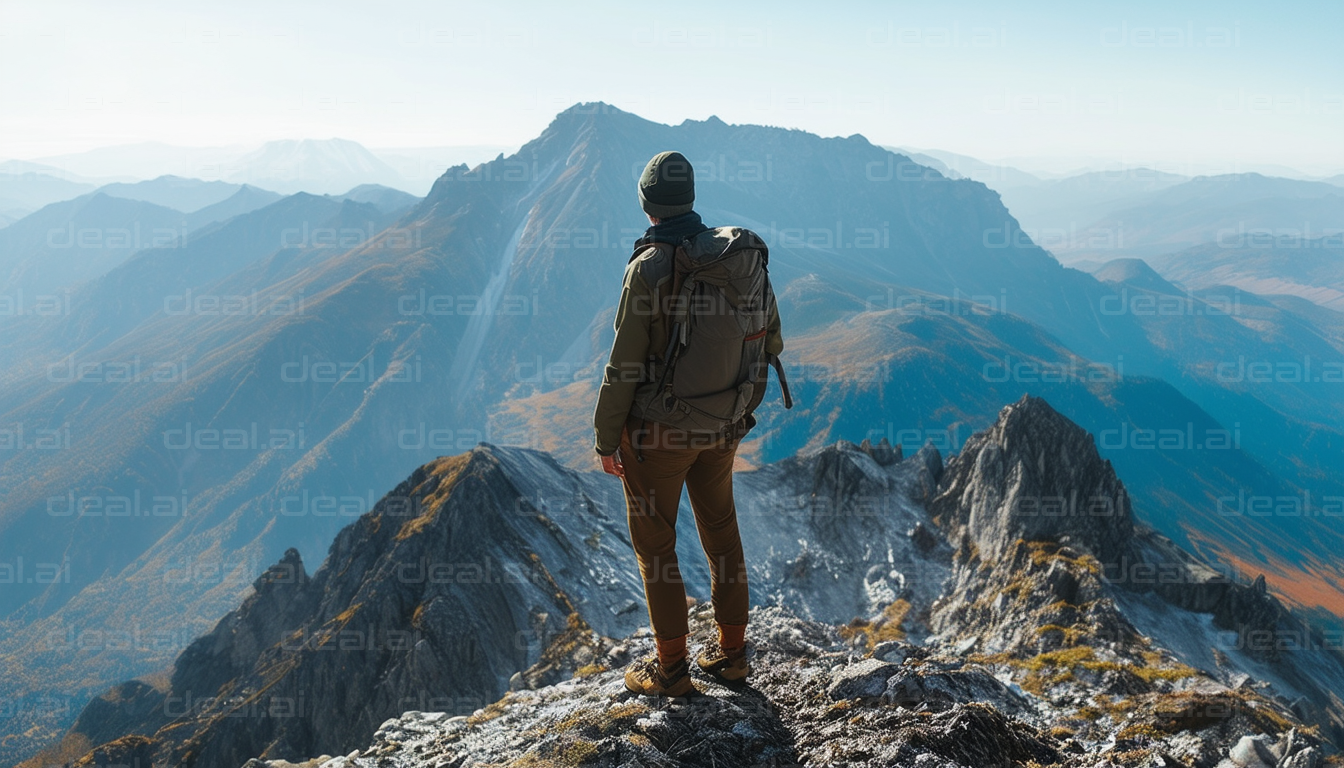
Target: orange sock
[
  {"x": 672, "y": 650},
  {"x": 732, "y": 636}
]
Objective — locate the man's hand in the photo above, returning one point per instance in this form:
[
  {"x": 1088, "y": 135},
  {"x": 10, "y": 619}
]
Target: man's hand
[{"x": 612, "y": 464}]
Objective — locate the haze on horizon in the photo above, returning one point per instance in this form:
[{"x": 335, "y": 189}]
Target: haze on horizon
[{"x": 1234, "y": 84}]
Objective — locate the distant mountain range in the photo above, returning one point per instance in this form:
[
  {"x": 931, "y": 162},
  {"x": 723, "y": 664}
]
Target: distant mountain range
[
  {"x": 260, "y": 384},
  {"x": 318, "y": 166},
  {"x": 1030, "y": 169},
  {"x": 1226, "y": 210},
  {"x": 1052, "y": 210},
  {"x": 996, "y": 176},
  {"x": 71, "y": 241},
  {"x": 176, "y": 192},
  {"x": 67, "y": 243},
  {"x": 1311, "y": 268},
  {"x": 25, "y": 187},
  {"x": 1088, "y": 218},
  {"x": 145, "y": 160}
]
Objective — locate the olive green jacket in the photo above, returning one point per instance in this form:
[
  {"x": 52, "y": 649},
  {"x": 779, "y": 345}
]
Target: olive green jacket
[{"x": 641, "y": 332}]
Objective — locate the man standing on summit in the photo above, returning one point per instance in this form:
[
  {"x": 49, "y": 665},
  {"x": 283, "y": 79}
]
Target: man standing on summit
[{"x": 696, "y": 329}]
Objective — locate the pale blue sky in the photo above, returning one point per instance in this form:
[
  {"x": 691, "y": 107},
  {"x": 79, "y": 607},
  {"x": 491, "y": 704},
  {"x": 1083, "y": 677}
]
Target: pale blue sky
[{"x": 1150, "y": 82}]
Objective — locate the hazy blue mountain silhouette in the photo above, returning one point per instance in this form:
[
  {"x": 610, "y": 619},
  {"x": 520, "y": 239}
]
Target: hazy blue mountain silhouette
[
  {"x": 1312, "y": 268},
  {"x": 176, "y": 192},
  {"x": 1226, "y": 209}
]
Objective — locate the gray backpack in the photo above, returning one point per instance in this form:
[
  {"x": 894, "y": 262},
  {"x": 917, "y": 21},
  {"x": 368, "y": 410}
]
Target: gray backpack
[{"x": 712, "y": 373}]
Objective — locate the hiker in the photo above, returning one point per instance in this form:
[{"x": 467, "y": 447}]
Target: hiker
[{"x": 696, "y": 332}]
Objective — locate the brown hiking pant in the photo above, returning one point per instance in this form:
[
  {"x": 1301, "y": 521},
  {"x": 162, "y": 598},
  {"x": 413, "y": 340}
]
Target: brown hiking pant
[{"x": 652, "y": 495}]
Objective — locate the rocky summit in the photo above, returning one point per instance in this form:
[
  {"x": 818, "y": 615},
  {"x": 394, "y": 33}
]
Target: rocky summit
[
  {"x": 821, "y": 698},
  {"x": 1002, "y": 608}
]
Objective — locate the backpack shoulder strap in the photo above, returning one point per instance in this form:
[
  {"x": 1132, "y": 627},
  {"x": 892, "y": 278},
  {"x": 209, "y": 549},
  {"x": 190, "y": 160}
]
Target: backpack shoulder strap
[
  {"x": 646, "y": 248},
  {"x": 675, "y": 320}
]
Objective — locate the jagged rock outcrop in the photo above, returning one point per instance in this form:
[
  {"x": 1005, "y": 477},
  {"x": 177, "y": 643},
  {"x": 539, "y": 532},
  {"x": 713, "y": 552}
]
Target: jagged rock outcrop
[
  {"x": 282, "y": 598},
  {"x": 455, "y": 581},
  {"x": 1051, "y": 565},
  {"x": 1037, "y": 476},
  {"x": 1262, "y": 624},
  {"x": 1036, "y": 512},
  {"x": 883, "y": 452}
]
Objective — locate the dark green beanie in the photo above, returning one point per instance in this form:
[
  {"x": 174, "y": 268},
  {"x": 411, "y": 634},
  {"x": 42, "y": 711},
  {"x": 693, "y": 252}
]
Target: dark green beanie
[{"x": 667, "y": 186}]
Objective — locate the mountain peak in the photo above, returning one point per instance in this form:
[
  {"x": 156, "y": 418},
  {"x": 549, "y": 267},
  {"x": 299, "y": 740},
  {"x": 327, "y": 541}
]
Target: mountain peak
[
  {"x": 592, "y": 109},
  {"x": 1134, "y": 272},
  {"x": 1034, "y": 475},
  {"x": 315, "y": 165},
  {"x": 584, "y": 116},
  {"x": 713, "y": 121}
]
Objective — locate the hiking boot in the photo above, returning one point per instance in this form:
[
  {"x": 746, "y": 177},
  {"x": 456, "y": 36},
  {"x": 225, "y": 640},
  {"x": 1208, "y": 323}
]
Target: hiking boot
[
  {"x": 727, "y": 666},
  {"x": 649, "y": 677}
]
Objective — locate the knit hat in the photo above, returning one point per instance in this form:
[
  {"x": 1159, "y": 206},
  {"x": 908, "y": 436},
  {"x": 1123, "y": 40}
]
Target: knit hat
[{"x": 667, "y": 186}]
